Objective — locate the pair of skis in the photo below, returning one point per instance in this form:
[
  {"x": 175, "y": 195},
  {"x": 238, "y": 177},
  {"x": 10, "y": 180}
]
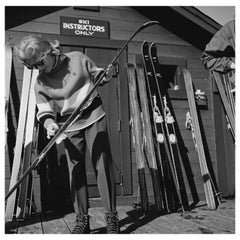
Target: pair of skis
[
  {"x": 163, "y": 125},
  {"x": 20, "y": 202}
]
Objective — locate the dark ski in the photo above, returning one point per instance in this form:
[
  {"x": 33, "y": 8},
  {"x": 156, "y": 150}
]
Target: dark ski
[
  {"x": 148, "y": 140},
  {"x": 159, "y": 133},
  {"x": 169, "y": 130},
  {"x": 8, "y": 70}
]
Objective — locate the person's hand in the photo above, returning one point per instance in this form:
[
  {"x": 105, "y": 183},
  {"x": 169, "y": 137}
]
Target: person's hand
[
  {"x": 52, "y": 128},
  {"x": 109, "y": 72},
  {"x": 232, "y": 66}
]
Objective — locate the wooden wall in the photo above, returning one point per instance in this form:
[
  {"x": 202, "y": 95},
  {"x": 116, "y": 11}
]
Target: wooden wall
[{"x": 123, "y": 22}]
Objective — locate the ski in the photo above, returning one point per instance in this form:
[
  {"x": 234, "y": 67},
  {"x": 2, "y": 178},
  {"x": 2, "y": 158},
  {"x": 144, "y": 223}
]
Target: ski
[
  {"x": 148, "y": 140},
  {"x": 28, "y": 147},
  {"x": 207, "y": 182},
  {"x": 8, "y": 70},
  {"x": 30, "y": 203},
  {"x": 158, "y": 91},
  {"x": 227, "y": 99},
  {"x": 137, "y": 139},
  {"x": 10, "y": 205},
  {"x": 169, "y": 122}
]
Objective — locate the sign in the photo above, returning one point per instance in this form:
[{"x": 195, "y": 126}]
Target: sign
[{"x": 83, "y": 27}]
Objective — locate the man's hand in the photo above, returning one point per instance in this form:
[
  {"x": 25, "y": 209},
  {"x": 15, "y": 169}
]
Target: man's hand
[
  {"x": 109, "y": 72},
  {"x": 232, "y": 66},
  {"x": 52, "y": 128}
]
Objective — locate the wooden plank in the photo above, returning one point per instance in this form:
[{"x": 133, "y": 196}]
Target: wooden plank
[
  {"x": 194, "y": 63},
  {"x": 55, "y": 225},
  {"x": 168, "y": 50},
  {"x": 19, "y": 142},
  {"x": 183, "y": 226},
  {"x": 209, "y": 222},
  {"x": 196, "y": 226},
  {"x": 97, "y": 220},
  {"x": 145, "y": 225},
  {"x": 70, "y": 220},
  {"x": 198, "y": 221},
  {"x": 106, "y": 13},
  {"x": 31, "y": 226},
  {"x": 154, "y": 37},
  {"x": 222, "y": 218}
]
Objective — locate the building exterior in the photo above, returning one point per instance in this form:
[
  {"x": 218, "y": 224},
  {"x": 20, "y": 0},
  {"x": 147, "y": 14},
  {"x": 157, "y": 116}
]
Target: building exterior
[{"x": 180, "y": 39}]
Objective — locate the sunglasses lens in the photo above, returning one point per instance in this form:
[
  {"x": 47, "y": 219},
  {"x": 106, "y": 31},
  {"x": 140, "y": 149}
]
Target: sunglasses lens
[
  {"x": 40, "y": 63},
  {"x": 34, "y": 66}
]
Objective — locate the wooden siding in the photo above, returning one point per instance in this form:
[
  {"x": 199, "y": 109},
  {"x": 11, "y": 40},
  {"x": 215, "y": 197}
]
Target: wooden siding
[{"x": 123, "y": 22}]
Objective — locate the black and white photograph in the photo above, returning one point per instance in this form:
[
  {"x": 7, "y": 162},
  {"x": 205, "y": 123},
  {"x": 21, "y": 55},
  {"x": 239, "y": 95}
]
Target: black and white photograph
[{"x": 119, "y": 119}]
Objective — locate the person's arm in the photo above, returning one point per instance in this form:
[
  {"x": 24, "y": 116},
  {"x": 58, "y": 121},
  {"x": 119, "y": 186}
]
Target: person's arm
[
  {"x": 219, "y": 54},
  {"x": 220, "y": 64},
  {"x": 108, "y": 76},
  {"x": 45, "y": 113}
]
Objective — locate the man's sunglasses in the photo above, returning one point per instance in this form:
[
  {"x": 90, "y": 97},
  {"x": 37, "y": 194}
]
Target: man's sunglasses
[{"x": 34, "y": 66}]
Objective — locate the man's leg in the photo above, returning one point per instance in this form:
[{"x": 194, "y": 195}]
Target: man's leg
[
  {"x": 75, "y": 151},
  {"x": 99, "y": 147}
]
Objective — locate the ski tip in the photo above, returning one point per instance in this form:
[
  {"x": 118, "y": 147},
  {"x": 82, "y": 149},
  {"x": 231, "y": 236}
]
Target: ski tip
[
  {"x": 145, "y": 42},
  {"x": 150, "y": 23},
  {"x": 186, "y": 73},
  {"x": 152, "y": 46},
  {"x": 144, "y": 47}
]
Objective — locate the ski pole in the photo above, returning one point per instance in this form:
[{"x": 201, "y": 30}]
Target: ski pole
[{"x": 77, "y": 112}]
